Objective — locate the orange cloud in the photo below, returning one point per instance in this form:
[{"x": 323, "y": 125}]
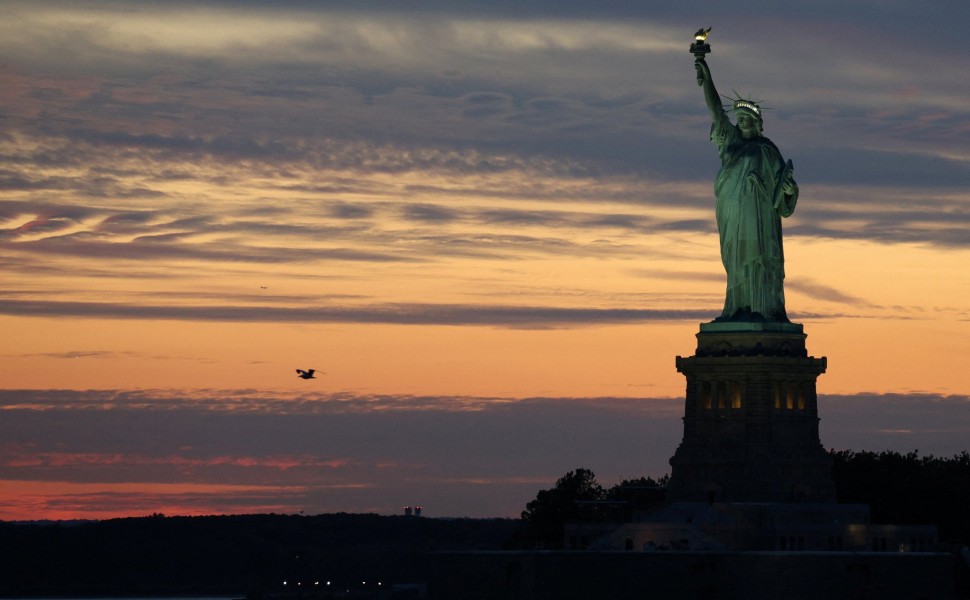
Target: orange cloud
[{"x": 30, "y": 500}]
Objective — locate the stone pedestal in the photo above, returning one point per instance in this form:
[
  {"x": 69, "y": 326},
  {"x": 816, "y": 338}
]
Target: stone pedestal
[{"x": 751, "y": 419}]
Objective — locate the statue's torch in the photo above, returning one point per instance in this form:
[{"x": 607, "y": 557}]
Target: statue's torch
[{"x": 700, "y": 48}]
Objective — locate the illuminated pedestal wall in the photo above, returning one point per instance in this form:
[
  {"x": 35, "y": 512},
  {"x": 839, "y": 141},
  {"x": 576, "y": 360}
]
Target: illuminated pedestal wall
[{"x": 751, "y": 419}]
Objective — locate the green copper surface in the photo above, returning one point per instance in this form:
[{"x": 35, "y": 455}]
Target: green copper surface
[{"x": 754, "y": 189}]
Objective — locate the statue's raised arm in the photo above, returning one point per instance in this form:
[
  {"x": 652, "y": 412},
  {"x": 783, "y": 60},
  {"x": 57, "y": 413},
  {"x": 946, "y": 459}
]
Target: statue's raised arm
[
  {"x": 754, "y": 190},
  {"x": 710, "y": 92}
]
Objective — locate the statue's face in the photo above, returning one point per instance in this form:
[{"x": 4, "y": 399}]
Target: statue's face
[{"x": 747, "y": 123}]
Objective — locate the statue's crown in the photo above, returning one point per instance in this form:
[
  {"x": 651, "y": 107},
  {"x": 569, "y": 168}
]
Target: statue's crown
[{"x": 747, "y": 105}]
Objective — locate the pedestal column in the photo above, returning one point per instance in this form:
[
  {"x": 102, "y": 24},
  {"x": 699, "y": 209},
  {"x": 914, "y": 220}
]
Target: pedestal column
[{"x": 751, "y": 418}]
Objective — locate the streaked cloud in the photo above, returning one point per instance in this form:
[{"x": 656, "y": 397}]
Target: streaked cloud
[{"x": 410, "y": 314}]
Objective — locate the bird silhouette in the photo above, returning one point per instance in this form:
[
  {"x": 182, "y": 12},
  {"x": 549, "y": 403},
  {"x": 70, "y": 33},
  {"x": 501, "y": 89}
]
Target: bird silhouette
[
  {"x": 308, "y": 374},
  {"x": 701, "y": 34}
]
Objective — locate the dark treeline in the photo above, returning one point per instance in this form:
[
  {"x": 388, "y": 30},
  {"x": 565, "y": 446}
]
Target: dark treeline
[
  {"x": 908, "y": 489},
  {"x": 899, "y": 488},
  {"x": 246, "y": 554}
]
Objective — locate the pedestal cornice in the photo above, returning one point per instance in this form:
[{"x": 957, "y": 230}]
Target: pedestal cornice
[{"x": 751, "y": 339}]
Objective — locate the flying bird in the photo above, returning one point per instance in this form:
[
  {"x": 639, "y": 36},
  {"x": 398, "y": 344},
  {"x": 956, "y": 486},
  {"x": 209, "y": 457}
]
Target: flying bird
[{"x": 308, "y": 374}]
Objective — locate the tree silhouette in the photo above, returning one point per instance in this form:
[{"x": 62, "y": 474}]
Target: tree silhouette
[
  {"x": 545, "y": 516},
  {"x": 578, "y": 497},
  {"x": 908, "y": 488}
]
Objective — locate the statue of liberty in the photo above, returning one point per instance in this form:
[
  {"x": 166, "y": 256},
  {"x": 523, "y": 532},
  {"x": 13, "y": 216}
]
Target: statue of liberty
[{"x": 754, "y": 190}]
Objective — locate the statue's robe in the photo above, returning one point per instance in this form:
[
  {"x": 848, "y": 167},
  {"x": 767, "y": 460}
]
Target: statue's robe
[{"x": 750, "y": 204}]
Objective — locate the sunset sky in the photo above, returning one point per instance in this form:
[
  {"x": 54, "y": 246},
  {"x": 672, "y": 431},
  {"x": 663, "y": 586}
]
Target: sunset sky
[{"x": 489, "y": 224}]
